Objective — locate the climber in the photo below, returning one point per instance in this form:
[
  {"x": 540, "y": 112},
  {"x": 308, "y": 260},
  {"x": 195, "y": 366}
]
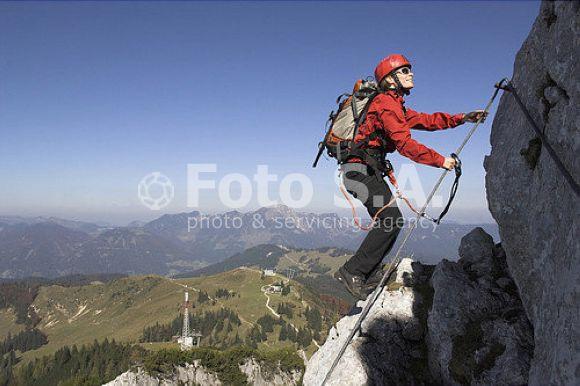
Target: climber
[{"x": 386, "y": 129}]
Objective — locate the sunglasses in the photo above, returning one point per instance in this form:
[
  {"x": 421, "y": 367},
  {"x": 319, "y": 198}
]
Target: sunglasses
[{"x": 404, "y": 71}]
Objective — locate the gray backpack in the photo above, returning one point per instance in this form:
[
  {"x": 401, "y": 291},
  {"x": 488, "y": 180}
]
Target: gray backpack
[{"x": 343, "y": 124}]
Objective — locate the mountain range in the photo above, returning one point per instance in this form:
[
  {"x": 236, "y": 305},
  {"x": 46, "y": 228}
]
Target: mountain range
[{"x": 178, "y": 243}]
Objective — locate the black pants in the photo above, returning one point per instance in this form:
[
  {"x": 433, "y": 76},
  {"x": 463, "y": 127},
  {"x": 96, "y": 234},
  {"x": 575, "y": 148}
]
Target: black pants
[{"x": 370, "y": 188}]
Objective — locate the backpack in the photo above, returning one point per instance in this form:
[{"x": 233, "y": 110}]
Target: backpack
[{"x": 344, "y": 123}]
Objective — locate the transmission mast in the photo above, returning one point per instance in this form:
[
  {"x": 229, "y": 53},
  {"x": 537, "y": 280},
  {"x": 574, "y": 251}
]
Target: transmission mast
[
  {"x": 188, "y": 339},
  {"x": 185, "y": 331}
]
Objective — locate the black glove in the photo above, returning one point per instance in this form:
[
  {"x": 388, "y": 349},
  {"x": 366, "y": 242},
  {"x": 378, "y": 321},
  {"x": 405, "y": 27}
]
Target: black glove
[{"x": 475, "y": 116}]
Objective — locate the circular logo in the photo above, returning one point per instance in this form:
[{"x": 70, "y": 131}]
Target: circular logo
[{"x": 155, "y": 191}]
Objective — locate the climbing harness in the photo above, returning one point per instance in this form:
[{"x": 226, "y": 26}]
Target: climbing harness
[
  {"x": 354, "y": 216},
  {"x": 507, "y": 85},
  {"x": 398, "y": 194},
  {"x": 396, "y": 260}
]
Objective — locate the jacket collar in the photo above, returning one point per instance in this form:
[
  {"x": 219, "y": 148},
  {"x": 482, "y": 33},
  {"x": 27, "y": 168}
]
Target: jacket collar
[{"x": 399, "y": 98}]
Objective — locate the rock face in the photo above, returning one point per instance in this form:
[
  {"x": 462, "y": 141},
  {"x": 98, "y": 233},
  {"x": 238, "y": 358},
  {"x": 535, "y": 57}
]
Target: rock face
[
  {"x": 196, "y": 374},
  {"x": 390, "y": 349},
  {"x": 534, "y": 206},
  {"x": 258, "y": 377},
  {"x": 191, "y": 374},
  {"x": 454, "y": 324},
  {"x": 478, "y": 332}
]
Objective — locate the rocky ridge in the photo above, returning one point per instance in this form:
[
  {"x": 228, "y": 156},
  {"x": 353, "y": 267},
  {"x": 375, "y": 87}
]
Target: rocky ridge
[
  {"x": 191, "y": 374},
  {"x": 196, "y": 374},
  {"x": 456, "y": 323}
]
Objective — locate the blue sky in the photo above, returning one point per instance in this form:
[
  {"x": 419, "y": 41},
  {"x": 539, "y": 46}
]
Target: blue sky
[{"x": 94, "y": 96}]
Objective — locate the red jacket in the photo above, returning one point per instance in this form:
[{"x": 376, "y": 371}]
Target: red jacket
[{"x": 388, "y": 125}]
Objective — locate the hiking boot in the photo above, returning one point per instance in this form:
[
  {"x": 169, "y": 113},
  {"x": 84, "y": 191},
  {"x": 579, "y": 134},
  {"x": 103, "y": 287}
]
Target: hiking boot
[
  {"x": 375, "y": 277},
  {"x": 353, "y": 283}
]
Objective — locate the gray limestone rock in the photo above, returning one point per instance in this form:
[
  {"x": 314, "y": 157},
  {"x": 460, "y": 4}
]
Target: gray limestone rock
[
  {"x": 130, "y": 378},
  {"x": 478, "y": 332},
  {"x": 390, "y": 350},
  {"x": 476, "y": 252},
  {"x": 446, "y": 325},
  {"x": 258, "y": 376},
  {"x": 190, "y": 374},
  {"x": 534, "y": 206},
  {"x": 197, "y": 374}
]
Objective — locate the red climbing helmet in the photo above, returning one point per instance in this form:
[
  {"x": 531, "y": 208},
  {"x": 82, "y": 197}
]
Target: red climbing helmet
[{"x": 390, "y": 64}]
